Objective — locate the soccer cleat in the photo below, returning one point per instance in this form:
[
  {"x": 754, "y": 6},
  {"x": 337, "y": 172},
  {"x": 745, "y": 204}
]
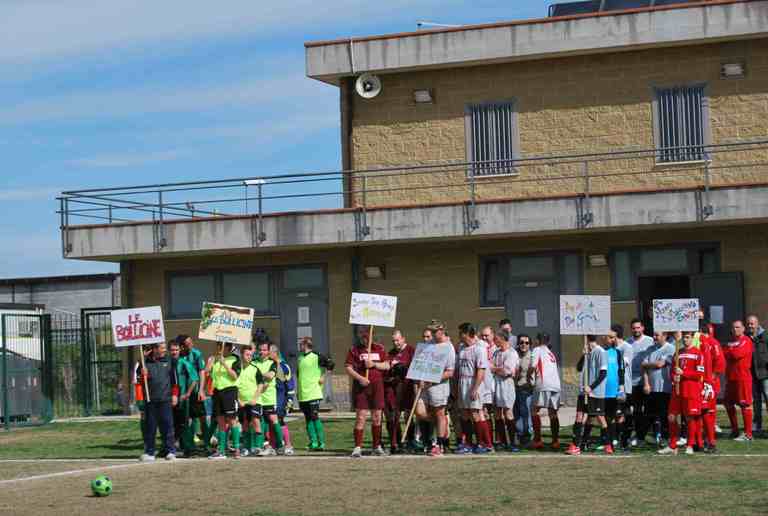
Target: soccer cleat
[
  {"x": 145, "y": 457},
  {"x": 712, "y": 450},
  {"x": 379, "y": 452},
  {"x": 633, "y": 443},
  {"x": 481, "y": 450},
  {"x": 689, "y": 450},
  {"x": 512, "y": 448},
  {"x": 718, "y": 430},
  {"x": 573, "y": 450},
  {"x": 320, "y": 447},
  {"x": 537, "y": 445},
  {"x": 268, "y": 451},
  {"x": 313, "y": 446},
  {"x": 608, "y": 450},
  {"x": 281, "y": 451},
  {"x": 357, "y": 452},
  {"x": 236, "y": 454},
  {"x": 245, "y": 452},
  {"x": 436, "y": 451},
  {"x": 667, "y": 451},
  {"x": 682, "y": 441},
  {"x": 743, "y": 438},
  {"x": 555, "y": 445},
  {"x": 462, "y": 450},
  {"x": 289, "y": 450},
  {"x": 254, "y": 452},
  {"x": 170, "y": 457},
  {"x": 217, "y": 456}
]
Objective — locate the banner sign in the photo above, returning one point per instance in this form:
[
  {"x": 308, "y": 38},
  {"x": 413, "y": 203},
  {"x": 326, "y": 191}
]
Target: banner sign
[
  {"x": 226, "y": 323},
  {"x": 585, "y": 315},
  {"x": 428, "y": 363},
  {"x": 137, "y": 326},
  {"x": 675, "y": 315},
  {"x": 372, "y": 310}
]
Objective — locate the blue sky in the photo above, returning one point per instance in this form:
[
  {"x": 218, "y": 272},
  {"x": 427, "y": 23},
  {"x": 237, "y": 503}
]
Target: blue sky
[{"x": 124, "y": 92}]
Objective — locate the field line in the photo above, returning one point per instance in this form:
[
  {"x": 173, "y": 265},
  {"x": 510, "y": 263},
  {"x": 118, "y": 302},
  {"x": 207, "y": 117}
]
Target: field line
[{"x": 87, "y": 470}]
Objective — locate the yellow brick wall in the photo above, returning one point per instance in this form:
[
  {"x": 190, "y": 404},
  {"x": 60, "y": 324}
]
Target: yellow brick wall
[{"x": 577, "y": 105}]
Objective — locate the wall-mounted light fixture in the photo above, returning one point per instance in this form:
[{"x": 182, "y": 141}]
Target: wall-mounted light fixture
[
  {"x": 597, "y": 260},
  {"x": 423, "y": 97},
  {"x": 732, "y": 70},
  {"x": 374, "y": 272}
]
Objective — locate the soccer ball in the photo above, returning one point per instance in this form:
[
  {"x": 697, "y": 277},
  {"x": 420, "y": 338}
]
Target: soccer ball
[{"x": 101, "y": 486}]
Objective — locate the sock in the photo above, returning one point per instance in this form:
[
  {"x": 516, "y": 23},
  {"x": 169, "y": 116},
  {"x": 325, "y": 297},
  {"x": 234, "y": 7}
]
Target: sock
[
  {"x": 258, "y": 439},
  {"x": 700, "y": 431},
  {"x": 358, "y": 438},
  {"x": 247, "y": 438},
  {"x": 691, "y": 432},
  {"x": 466, "y": 429},
  {"x": 208, "y": 430},
  {"x": 731, "y": 409},
  {"x": 376, "y": 434},
  {"x": 709, "y": 427},
  {"x": 277, "y": 434},
  {"x": 536, "y": 427},
  {"x": 426, "y": 433},
  {"x": 236, "y": 431},
  {"x": 488, "y": 434},
  {"x": 577, "y": 433},
  {"x": 311, "y": 432},
  {"x": 501, "y": 432},
  {"x": 222, "y": 438},
  {"x": 554, "y": 424},
  {"x": 410, "y": 435},
  {"x": 586, "y": 434},
  {"x": 511, "y": 430},
  {"x": 142, "y": 426},
  {"x": 320, "y": 432},
  {"x": 746, "y": 413},
  {"x": 674, "y": 428},
  {"x": 611, "y": 432},
  {"x": 604, "y": 435},
  {"x": 286, "y": 436}
]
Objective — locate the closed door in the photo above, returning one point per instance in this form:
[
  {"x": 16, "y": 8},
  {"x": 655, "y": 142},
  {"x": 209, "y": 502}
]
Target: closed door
[
  {"x": 532, "y": 308},
  {"x": 721, "y": 298}
]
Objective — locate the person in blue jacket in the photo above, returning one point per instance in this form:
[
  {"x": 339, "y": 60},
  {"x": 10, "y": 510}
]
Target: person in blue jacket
[{"x": 286, "y": 391}]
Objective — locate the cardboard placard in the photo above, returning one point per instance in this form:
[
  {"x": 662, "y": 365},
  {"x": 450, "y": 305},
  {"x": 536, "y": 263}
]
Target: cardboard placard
[
  {"x": 137, "y": 326},
  {"x": 676, "y": 314},
  {"x": 226, "y": 323},
  {"x": 372, "y": 310},
  {"x": 428, "y": 363},
  {"x": 585, "y": 315}
]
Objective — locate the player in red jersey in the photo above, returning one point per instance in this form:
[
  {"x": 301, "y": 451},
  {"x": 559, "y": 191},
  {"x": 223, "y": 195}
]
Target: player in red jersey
[
  {"x": 398, "y": 391},
  {"x": 714, "y": 365},
  {"x": 688, "y": 380},
  {"x": 368, "y": 393},
  {"x": 738, "y": 389}
]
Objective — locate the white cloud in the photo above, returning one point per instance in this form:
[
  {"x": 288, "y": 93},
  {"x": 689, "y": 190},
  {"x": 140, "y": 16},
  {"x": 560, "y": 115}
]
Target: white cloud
[
  {"x": 134, "y": 159},
  {"x": 36, "y": 30},
  {"x": 40, "y": 193}
]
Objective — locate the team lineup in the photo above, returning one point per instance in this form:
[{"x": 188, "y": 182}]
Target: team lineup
[{"x": 489, "y": 394}]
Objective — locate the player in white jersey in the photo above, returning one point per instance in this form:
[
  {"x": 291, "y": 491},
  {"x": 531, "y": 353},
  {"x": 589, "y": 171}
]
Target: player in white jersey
[
  {"x": 504, "y": 366},
  {"x": 471, "y": 369},
  {"x": 488, "y": 342},
  {"x": 546, "y": 390}
]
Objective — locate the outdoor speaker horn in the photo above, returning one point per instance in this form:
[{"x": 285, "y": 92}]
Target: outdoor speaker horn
[{"x": 368, "y": 86}]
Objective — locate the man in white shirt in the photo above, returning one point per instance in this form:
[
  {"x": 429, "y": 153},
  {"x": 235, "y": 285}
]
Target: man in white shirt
[
  {"x": 546, "y": 390},
  {"x": 641, "y": 349}
]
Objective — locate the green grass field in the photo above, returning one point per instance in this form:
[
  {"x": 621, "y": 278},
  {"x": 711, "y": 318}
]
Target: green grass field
[{"x": 69, "y": 455}]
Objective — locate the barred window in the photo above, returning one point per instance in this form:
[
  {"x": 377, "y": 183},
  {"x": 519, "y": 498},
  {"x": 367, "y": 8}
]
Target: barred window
[
  {"x": 491, "y": 130},
  {"x": 680, "y": 119}
]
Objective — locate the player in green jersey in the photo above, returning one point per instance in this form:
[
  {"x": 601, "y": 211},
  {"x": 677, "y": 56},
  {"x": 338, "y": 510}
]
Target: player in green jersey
[{"x": 311, "y": 372}]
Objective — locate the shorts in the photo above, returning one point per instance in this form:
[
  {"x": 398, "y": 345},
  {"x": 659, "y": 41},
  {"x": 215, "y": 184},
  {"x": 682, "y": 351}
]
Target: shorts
[
  {"x": 196, "y": 407},
  {"x": 399, "y": 397},
  {"x": 248, "y": 413},
  {"x": 546, "y": 399},
  {"x": 504, "y": 394},
  {"x": 581, "y": 404},
  {"x": 465, "y": 399},
  {"x": 437, "y": 395},
  {"x": 739, "y": 393},
  {"x": 225, "y": 402},
  {"x": 268, "y": 410},
  {"x": 370, "y": 397},
  {"x": 596, "y": 406},
  {"x": 310, "y": 409},
  {"x": 684, "y": 406}
]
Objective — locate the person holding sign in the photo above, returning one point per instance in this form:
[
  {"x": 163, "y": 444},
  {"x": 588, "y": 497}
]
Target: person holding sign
[
  {"x": 250, "y": 385},
  {"x": 686, "y": 400},
  {"x": 546, "y": 391},
  {"x": 159, "y": 376},
  {"x": 224, "y": 368},
  {"x": 368, "y": 389}
]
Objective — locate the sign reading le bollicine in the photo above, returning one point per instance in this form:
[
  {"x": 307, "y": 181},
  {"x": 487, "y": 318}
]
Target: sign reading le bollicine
[
  {"x": 137, "y": 326},
  {"x": 373, "y": 310}
]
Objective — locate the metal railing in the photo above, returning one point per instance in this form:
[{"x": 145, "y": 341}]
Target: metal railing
[{"x": 579, "y": 174}]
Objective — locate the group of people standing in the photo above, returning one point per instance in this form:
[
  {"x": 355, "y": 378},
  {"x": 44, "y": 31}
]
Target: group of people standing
[{"x": 495, "y": 385}]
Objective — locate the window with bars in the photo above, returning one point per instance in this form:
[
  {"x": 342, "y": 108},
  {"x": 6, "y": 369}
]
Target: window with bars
[
  {"x": 680, "y": 123},
  {"x": 491, "y": 129}
]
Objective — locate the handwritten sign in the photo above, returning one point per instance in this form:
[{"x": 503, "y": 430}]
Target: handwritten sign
[
  {"x": 585, "y": 315},
  {"x": 226, "y": 323},
  {"x": 137, "y": 326},
  {"x": 675, "y": 315},
  {"x": 372, "y": 310},
  {"x": 428, "y": 363}
]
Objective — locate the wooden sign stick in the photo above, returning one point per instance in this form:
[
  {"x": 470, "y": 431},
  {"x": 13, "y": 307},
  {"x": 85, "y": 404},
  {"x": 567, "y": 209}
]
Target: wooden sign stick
[
  {"x": 370, "y": 345},
  {"x": 585, "y": 373},
  {"x": 410, "y": 416},
  {"x": 144, "y": 370}
]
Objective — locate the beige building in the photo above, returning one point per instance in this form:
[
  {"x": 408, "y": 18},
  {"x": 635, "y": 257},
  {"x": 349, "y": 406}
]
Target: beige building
[{"x": 489, "y": 169}]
